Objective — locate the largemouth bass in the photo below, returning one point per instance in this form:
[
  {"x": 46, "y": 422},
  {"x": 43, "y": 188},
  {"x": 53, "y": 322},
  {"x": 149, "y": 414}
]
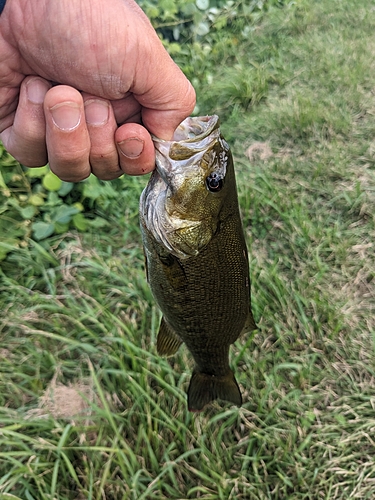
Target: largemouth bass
[{"x": 196, "y": 255}]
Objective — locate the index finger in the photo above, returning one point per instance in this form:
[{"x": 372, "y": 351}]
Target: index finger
[{"x": 67, "y": 137}]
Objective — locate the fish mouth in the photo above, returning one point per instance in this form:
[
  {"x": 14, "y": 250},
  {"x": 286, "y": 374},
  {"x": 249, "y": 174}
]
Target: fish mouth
[
  {"x": 191, "y": 140},
  {"x": 196, "y": 129},
  {"x": 193, "y": 129}
]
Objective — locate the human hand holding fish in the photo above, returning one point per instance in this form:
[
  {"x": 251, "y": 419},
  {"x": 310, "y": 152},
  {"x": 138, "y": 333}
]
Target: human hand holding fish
[
  {"x": 196, "y": 255},
  {"x": 82, "y": 86}
]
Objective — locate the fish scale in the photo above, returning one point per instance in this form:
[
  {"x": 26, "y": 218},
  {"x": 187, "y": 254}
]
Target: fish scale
[{"x": 204, "y": 295}]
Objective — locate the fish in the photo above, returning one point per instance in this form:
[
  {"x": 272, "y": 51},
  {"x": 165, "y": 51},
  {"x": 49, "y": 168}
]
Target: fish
[{"x": 196, "y": 257}]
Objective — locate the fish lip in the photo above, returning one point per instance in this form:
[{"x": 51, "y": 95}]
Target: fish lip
[
  {"x": 206, "y": 132},
  {"x": 204, "y": 125}
]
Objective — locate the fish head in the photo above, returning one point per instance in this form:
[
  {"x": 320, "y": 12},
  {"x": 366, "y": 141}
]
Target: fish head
[{"x": 182, "y": 203}]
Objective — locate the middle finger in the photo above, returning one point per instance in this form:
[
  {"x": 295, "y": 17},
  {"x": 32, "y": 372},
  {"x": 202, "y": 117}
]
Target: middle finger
[{"x": 101, "y": 125}]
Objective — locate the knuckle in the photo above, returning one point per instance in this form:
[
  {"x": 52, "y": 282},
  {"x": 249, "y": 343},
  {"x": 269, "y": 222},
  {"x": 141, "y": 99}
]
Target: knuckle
[
  {"x": 106, "y": 165},
  {"x": 103, "y": 156},
  {"x": 29, "y": 154},
  {"x": 69, "y": 176},
  {"x": 70, "y": 166},
  {"x": 69, "y": 156}
]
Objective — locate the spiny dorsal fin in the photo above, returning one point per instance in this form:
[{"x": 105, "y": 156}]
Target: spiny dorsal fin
[
  {"x": 168, "y": 341},
  {"x": 205, "y": 388}
]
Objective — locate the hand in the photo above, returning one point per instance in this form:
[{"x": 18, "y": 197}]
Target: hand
[{"x": 77, "y": 80}]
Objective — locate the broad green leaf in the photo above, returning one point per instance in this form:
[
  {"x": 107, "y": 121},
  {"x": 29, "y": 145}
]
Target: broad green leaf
[
  {"x": 79, "y": 206},
  {"x": 51, "y": 182},
  {"x": 174, "y": 48},
  {"x": 80, "y": 222},
  {"x": 202, "y": 29},
  {"x": 42, "y": 230},
  {"x": 37, "y": 172},
  {"x": 152, "y": 11},
  {"x": 53, "y": 199},
  {"x": 28, "y": 212},
  {"x": 176, "y": 32},
  {"x": 202, "y": 4},
  {"x": 92, "y": 188},
  {"x": 63, "y": 214},
  {"x": 168, "y": 8},
  {"x": 65, "y": 189},
  {"x": 61, "y": 228},
  {"x": 188, "y": 8},
  {"x": 98, "y": 222},
  {"x": 36, "y": 199}
]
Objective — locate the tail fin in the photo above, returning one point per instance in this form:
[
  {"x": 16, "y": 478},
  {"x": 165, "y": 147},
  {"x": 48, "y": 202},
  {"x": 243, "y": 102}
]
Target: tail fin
[{"x": 204, "y": 388}]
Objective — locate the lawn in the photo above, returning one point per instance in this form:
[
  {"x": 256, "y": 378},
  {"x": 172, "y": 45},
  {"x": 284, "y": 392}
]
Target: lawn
[{"x": 87, "y": 408}]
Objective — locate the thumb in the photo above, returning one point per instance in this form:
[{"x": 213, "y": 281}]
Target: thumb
[{"x": 167, "y": 103}]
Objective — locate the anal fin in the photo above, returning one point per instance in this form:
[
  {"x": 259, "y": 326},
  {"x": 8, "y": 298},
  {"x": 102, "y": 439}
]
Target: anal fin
[
  {"x": 168, "y": 341},
  {"x": 250, "y": 324},
  {"x": 205, "y": 388}
]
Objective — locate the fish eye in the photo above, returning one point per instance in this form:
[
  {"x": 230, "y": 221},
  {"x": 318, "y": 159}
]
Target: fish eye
[{"x": 214, "y": 182}]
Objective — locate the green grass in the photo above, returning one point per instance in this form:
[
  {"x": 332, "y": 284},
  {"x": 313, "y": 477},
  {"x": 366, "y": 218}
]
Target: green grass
[{"x": 77, "y": 312}]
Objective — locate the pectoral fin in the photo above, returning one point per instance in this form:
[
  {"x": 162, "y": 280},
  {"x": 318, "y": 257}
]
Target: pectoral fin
[
  {"x": 168, "y": 341},
  {"x": 205, "y": 388},
  {"x": 173, "y": 271}
]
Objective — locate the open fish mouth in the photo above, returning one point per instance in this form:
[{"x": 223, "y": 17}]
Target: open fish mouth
[
  {"x": 194, "y": 129},
  {"x": 191, "y": 140}
]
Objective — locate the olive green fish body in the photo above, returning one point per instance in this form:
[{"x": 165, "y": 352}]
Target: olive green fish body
[{"x": 197, "y": 263}]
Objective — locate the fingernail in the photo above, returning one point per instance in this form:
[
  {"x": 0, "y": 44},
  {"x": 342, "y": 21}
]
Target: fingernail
[
  {"x": 131, "y": 148},
  {"x": 66, "y": 116},
  {"x": 96, "y": 112},
  {"x": 36, "y": 90}
]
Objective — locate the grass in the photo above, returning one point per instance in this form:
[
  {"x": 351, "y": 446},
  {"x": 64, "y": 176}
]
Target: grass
[{"x": 296, "y": 99}]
